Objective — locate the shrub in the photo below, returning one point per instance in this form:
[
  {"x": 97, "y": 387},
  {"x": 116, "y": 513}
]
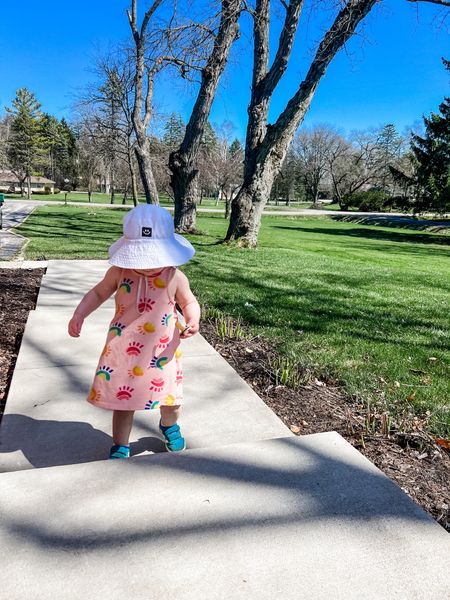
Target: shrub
[{"x": 370, "y": 200}]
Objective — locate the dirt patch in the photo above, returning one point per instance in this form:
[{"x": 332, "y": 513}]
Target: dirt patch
[
  {"x": 410, "y": 458},
  {"x": 19, "y": 289}
]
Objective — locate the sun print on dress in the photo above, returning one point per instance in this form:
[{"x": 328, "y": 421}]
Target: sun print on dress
[
  {"x": 156, "y": 384},
  {"x": 134, "y": 348},
  {"x": 145, "y": 305},
  {"x": 136, "y": 371},
  {"x": 125, "y": 392},
  {"x": 94, "y": 395},
  {"x": 147, "y": 327}
]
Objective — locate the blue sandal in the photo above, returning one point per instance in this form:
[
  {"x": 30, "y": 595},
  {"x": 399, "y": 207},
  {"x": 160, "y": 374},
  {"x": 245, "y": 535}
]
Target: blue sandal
[
  {"x": 118, "y": 451},
  {"x": 173, "y": 440}
]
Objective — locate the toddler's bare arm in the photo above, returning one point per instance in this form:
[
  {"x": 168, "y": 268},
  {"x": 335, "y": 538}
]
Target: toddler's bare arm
[
  {"x": 188, "y": 304},
  {"x": 93, "y": 299}
]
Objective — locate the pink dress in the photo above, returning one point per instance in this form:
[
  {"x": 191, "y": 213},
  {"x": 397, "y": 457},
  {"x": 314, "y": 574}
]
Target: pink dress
[{"x": 140, "y": 367}]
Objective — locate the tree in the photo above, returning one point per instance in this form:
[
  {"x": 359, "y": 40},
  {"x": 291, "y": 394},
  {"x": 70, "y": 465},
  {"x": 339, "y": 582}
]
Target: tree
[
  {"x": 432, "y": 155},
  {"x": 390, "y": 146},
  {"x": 60, "y": 142},
  {"x": 173, "y": 131},
  {"x": 27, "y": 145},
  {"x": 182, "y": 162},
  {"x": 266, "y": 144},
  {"x": 142, "y": 105},
  {"x": 109, "y": 102},
  {"x": 311, "y": 149},
  {"x": 226, "y": 164}
]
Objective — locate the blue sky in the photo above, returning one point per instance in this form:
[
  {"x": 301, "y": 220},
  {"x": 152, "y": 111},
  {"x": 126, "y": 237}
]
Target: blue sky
[{"x": 390, "y": 73}]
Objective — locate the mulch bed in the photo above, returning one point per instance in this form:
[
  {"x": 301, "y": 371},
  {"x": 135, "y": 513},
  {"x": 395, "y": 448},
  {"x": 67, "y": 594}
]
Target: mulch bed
[
  {"x": 412, "y": 459},
  {"x": 19, "y": 289}
]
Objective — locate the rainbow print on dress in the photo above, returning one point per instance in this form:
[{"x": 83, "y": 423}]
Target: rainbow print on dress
[
  {"x": 158, "y": 363},
  {"x": 150, "y": 405},
  {"x": 117, "y": 328},
  {"x": 126, "y": 284},
  {"x": 165, "y": 318},
  {"x": 104, "y": 372}
]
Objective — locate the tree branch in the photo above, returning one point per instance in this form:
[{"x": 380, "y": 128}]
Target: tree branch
[
  {"x": 340, "y": 31},
  {"x": 261, "y": 41},
  {"x": 439, "y": 2},
  {"x": 148, "y": 16},
  {"x": 285, "y": 44}
]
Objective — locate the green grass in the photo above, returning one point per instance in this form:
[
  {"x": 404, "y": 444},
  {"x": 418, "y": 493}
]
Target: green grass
[{"x": 363, "y": 305}]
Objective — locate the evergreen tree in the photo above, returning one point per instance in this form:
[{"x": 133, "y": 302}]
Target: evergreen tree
[
  {"x": 174, "y": 131},
  {"x": 27, "y": 145},
  {"x": 236, "y": 149},
  {"x": 209, "y": 139},
  {"x": 432, "y": 155}
]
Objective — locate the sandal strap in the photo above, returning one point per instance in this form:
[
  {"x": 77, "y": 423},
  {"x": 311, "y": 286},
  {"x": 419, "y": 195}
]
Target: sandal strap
[
  {"x": 172, "y": 433},
  {"x": 120, "y": 451}
]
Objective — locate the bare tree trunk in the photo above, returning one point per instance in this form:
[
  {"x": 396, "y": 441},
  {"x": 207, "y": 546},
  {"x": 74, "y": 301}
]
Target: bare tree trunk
[
  {"x": 247, "y": 209},
  {"x": 28, "y": 187},
  {"x": 185, "y": 212},
  {"x": 145, "y": 169},
  {"x": 267, "y": 145},
  {"x": 182, "y": 162},
  {"x": 134, "y": 189},
  {"x": 125, "y": 195},
  {"x": 143, "y": 101},
  {"x": 227, "y": 206},
  {"x": 113, "y": 185}
]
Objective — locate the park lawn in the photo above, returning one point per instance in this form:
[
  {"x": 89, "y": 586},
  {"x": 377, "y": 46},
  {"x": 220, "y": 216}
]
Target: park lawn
[{"x": 364, "y": 306}]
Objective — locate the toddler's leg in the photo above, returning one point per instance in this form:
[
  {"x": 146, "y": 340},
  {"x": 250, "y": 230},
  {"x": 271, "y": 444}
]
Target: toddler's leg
[
  {"x": 170, "y": 414},
  {"x": 121, "y": 425}
]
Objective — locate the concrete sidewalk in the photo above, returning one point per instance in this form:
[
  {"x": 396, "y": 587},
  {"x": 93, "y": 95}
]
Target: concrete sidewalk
[
  {"x": 248, "y": 511},
  {"x": 46, "y": 414},
  {"x": 11, "y": 242}
]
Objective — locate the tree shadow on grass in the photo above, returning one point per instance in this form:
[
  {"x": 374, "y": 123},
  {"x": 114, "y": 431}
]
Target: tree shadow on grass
[
  {"x": 398, "y": 222},
  {"x": 322, "y": 310},
  {"x": 379, "y": 235}
]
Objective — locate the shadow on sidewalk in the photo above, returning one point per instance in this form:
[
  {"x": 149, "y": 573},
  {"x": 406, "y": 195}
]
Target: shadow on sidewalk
[{"x": 72, "y": 442}]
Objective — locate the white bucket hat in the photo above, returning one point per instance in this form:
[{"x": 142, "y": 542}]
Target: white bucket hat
[{"x": 149, "y": 241}]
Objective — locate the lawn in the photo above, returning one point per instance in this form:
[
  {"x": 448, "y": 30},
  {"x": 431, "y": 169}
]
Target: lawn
[{"x": 366, "y": 306}]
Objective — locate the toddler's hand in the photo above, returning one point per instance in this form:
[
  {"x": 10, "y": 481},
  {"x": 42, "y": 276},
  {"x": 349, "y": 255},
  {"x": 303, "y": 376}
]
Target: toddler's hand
[
  {"x": 75, "y": 324},
  {"x": 191, "y": 329}
]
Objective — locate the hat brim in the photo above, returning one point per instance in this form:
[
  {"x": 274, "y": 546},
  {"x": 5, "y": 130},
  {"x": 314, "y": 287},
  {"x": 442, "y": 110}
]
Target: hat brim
[{"x": 150, "y": 253}]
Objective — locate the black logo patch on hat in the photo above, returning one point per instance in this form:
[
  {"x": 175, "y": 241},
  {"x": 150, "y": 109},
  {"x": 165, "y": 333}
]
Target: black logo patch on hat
[{"x": 146, "y": 232}]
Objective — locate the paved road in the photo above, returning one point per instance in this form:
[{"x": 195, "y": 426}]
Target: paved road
[
  {"x": 292, "y": 213},
  {"x": 14, "y": 212}
]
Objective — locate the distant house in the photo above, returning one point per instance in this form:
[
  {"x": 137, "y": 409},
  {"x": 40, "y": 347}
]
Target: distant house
[{"x": 11, "y": 183}]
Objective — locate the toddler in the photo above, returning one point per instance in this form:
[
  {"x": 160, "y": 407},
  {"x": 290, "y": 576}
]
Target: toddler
[{"x": 140, "y": 365}]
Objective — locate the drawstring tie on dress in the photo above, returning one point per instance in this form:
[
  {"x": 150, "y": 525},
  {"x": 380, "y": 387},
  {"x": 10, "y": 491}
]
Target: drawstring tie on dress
[{"x": 138, "y": 295}]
